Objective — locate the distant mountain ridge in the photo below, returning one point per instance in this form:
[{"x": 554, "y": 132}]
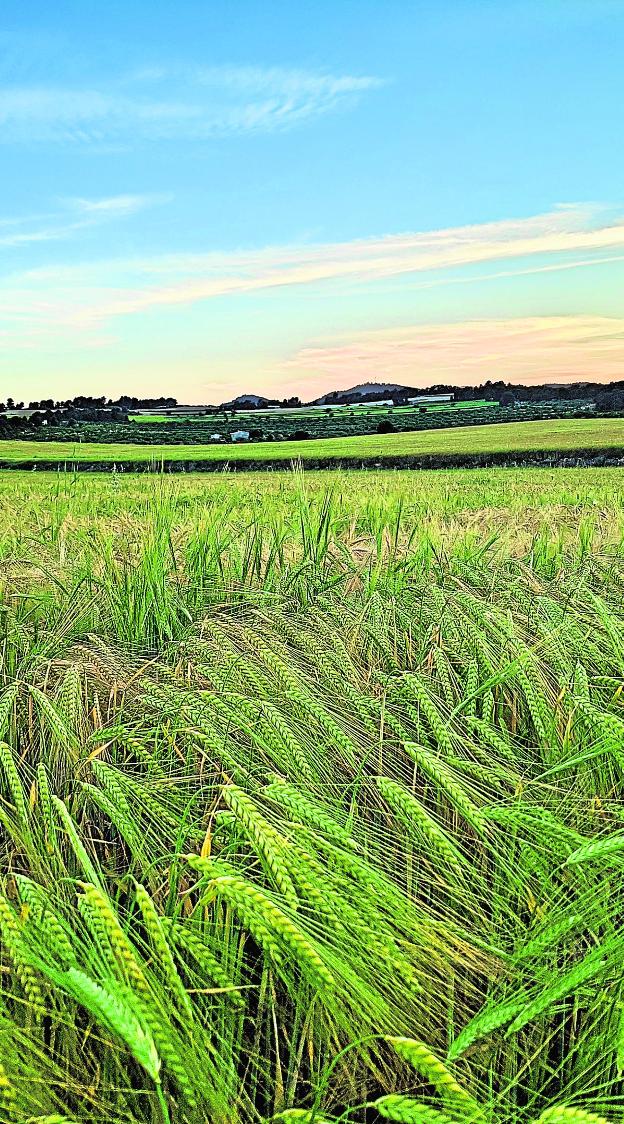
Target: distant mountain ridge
[{"x": 361, "y": 392}]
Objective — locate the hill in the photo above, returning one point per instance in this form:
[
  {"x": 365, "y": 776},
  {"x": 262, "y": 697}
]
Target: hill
[
  {"x": 364, "y": 391},
  {"x": 249, "y": 400}
]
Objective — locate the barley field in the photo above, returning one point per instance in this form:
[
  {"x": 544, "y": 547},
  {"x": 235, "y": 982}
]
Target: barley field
[{"x": 311, "y": 798}]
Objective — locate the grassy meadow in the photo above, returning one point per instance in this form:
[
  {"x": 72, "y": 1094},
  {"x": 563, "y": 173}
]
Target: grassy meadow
[
  {"x": 311, "y": 794},
  {"x": 568, "y": 435}
]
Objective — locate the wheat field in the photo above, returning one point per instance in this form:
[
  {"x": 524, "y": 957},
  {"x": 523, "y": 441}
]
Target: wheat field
[{"x": 311, "y": 798}]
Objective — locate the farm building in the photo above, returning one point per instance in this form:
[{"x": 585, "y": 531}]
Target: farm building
[
  {"x": 216, "y": 437},
  {"x": 430, "y": 399},
  {"x": 240, "y": 435},
  {"x": 173, "y": 411},
  {"x": 306, "y": 409}
]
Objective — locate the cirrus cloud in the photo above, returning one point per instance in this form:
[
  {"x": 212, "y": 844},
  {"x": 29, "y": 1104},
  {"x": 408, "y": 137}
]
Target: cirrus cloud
[
  {"x": 167, "y": 104},
  {"x": 70, "y": 217},
  {"x": 85, "y": 297}
]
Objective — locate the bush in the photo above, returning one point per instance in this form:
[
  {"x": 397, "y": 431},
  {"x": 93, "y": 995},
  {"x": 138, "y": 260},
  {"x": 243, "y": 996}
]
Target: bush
[{"x": 386, "y": 426}]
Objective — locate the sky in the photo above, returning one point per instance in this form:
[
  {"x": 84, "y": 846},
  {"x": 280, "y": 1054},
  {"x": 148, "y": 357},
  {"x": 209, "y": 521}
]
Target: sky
[{"x": 207, "y": 198}]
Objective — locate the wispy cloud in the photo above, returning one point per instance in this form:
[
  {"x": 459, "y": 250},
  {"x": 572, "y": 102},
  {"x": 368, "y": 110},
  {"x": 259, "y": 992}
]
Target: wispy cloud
[
  {"x": 163, "y": 103},
  {"x": 87, "y": 298},
  {"x": 114, "y": 206},
  {"x": 522, "y": 349},
  {"x": 72, "y": 216},
  {"x": 184, "y": 279}
]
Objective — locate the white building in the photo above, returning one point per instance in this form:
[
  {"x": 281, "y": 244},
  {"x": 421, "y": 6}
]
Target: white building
[
  {"x": 240, "y": 435},
  {"x": 430, "y": 399}
]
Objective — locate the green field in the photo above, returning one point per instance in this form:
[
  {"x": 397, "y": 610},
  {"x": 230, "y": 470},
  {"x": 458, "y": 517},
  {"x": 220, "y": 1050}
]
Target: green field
[
  {"x": 248, "y": 416},
  {"x": 568, "y": 435},
  {"x": 312, "y": 795}
]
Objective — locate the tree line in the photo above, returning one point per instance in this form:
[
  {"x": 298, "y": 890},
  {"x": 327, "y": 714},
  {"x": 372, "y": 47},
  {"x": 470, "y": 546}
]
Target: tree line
[
  {"x": 607, "y": 397},
  {"x": 87, "y": 402}
]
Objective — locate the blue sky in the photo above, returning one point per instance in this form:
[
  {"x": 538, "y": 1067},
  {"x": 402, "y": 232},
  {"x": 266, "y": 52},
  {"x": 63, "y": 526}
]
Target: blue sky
[{"x": 208, "y": 198}]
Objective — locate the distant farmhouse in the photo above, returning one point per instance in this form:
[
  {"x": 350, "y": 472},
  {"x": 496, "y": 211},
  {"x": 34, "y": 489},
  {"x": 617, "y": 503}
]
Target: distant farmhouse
[{"x": 430, "y": 399}]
